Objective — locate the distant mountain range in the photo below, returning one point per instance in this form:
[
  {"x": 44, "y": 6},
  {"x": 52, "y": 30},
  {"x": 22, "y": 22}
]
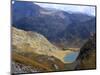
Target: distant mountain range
[{"x": 71, "y": 29}]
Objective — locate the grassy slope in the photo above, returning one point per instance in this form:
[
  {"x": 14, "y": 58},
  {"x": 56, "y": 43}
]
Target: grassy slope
[
  {"x": 27, "y": 46},
  {"x": 34, "y": 42}
]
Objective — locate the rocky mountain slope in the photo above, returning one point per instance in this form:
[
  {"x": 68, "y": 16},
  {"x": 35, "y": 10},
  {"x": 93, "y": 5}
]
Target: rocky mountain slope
[
  {"x": 33, "y": 50},
  {"x": 21, "y": 68},
  {"x": 27, "y": 41},
  {"x": 87, "y": 56},
  {"x": 35, "y": 41},
  {"x": 32, "y": 62}
]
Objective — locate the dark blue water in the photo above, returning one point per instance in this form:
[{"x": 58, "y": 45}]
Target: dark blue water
[{"x": 71, "y": 57}]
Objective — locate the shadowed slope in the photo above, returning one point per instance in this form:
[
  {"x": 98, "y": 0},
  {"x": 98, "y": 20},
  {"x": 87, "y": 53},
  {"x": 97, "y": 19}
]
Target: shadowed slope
[{"x": 87, "y": 56}]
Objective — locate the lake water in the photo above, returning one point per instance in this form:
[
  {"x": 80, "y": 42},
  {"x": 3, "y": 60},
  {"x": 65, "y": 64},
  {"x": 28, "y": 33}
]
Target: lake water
[{"x": 71, "y": 57}]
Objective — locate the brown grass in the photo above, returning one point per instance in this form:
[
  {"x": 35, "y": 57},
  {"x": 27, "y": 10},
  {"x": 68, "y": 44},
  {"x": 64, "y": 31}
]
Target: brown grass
[{"x": 27, "y": 61}]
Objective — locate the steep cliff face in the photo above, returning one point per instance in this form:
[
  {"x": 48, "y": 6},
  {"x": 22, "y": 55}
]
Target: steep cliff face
[{"x": 87, "y": 56}]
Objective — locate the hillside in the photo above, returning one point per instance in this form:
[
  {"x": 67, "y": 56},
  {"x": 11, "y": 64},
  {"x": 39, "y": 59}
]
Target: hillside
[
  {"x": 87, "y": 56},
  {"x": 32, "y": 40},
  {"x": 27, "y": 41},
  {"x": 32, "y": 62},
  {"x": 32, "y": 52},
  {"x": 35, "y": 52}
]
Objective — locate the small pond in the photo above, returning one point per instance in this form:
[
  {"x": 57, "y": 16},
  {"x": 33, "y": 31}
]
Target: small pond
[{"x": 71, "y": 57}]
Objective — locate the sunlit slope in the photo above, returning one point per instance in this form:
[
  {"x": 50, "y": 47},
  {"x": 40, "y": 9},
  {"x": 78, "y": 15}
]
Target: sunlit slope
[
  {"x": 27, "y": 61},
  {"x": 27, "y": 41}
]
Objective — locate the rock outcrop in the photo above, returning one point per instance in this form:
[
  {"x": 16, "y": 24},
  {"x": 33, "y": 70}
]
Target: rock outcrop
[{"x": 87, "y": 56}]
